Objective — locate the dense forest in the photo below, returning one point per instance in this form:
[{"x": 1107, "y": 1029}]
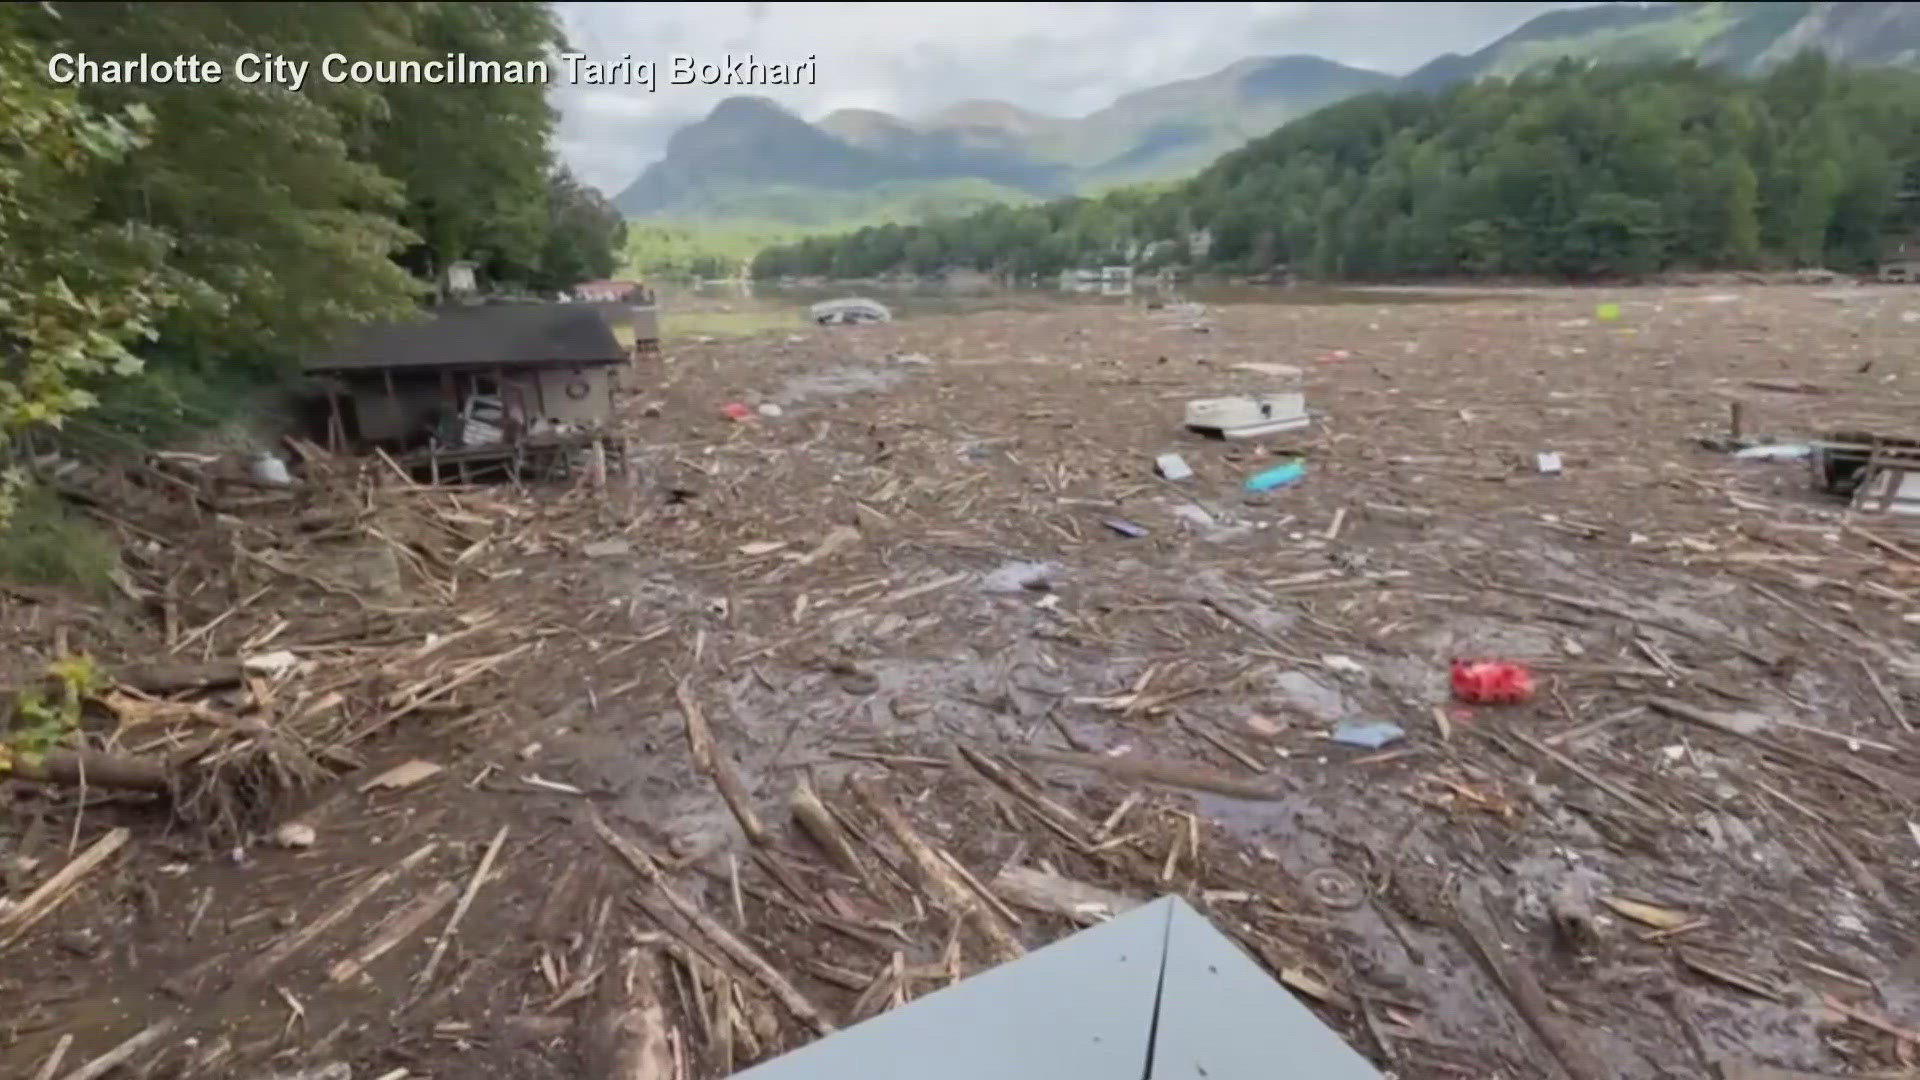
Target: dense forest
[
  {"x": 1574, "y": 172},
  {"x": 161, "y": 237}
]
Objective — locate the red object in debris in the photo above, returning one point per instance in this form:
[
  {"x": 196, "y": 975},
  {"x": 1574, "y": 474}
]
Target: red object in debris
[
  {"x": 1491, "y": 682},
  {"x": 736, "y": 411}
]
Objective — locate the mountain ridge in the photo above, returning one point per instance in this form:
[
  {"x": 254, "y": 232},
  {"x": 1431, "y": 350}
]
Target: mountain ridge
[{"x": 1173, "y": 129}]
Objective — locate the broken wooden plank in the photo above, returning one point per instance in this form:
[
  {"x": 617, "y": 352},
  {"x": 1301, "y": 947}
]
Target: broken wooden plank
[
  {"x": 1169, "y": 773},
  {"x": 54, "y": 891},
  {"x": 1042, "y": 890},
  {"x": 818, "y": 823},
  {"x": 394, "y": 930}
]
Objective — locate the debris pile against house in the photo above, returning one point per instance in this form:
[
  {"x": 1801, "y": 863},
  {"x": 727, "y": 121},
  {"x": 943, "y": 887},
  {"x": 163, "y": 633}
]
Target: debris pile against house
[
  {"x": 470, "y": 389},
  {"x": 817, "y": 715},
  {"x": 849, "y": 311}
]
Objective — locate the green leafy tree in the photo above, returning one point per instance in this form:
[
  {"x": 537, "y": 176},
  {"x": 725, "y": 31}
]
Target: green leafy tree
[{"x": 75, "y": 294}]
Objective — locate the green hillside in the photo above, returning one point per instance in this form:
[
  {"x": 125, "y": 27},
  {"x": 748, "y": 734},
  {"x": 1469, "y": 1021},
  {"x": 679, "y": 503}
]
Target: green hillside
[{"x": 1574, "y": 172}]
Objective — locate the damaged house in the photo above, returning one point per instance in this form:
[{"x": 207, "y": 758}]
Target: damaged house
[{"x": 474, "y": 387}]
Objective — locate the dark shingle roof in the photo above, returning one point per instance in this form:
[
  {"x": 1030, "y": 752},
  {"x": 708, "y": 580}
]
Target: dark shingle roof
[{"x": 488, "y": 335}]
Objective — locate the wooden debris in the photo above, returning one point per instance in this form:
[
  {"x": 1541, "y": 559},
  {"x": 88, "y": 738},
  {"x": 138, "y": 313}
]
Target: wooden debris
[
  {"x": 284, "y": 949},
  {"x": 717, "y": 766},
  {"x": 173, "y": 677},
  {"x": 1753, "y": 984},
  {"x": 644, "y": 865},
  {"x": 937, "y": 875},
  {"x": 59, "y": 1054},
  {"x": 402, "y": 776},
  {"x": 1042, "y": 890},
  {"x": 818, "y": 823},
  {"x": 1069, "y": 824},
  {"x": 115, "y": 771},
  {"x": 460, "y": 910},
  {"x": 1524, "y": 991},
  {"x": 54, "y": 891},
  {"x": 394, "y": 930},
  {"x": 1651, "y": 915},
  {"x": 699, "y": 735},
  {"x": 1169, "y": 773},
  {"x": 631, "y": 1035},
  {"x": 123, "y": 1053}
]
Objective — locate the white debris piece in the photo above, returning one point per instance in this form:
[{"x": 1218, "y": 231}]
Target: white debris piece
[
  {"x": 1247, "y": 417},
  {"x": 853, "y": 309}
]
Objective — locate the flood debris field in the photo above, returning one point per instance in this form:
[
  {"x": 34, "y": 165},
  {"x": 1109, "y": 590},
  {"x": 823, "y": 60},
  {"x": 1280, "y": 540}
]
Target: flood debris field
[{"x": 924, "y": 666}]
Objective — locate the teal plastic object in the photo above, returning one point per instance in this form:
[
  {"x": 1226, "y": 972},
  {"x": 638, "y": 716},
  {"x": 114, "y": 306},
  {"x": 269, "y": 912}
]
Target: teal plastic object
[{"x": 1278, "y": 476}]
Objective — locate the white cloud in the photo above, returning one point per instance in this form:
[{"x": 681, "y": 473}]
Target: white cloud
[{"x": 915, "y": 58}]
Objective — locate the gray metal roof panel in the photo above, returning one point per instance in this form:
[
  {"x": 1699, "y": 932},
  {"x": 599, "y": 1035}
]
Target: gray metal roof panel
[
  {"x": 1222, "y": 1017},
  {"x": 1078, "y": 1009},
  {"x": 1158, "y": 982}
]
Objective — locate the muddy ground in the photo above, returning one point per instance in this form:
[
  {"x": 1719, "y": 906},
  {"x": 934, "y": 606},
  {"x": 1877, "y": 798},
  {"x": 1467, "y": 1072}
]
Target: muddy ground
[{"x": 1691, "y": 853}]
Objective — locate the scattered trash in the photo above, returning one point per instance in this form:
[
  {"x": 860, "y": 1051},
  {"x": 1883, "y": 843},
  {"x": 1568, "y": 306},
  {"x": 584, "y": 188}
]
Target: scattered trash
[
  {"x": 294, "y": 834},
  {"x": 1017, "y": 577},
  {"x": 1172, "y": 467},
  {"x": 1345, "y": 665},
  {"x": 1547, "y": 463},
  {"x": 270, "y": 470},
  {"x": 735, "y": 411},
  {"x": 1776, "y": 452},
  {"x": 1195, "y": 515},
  {"x": 912, "y": 359},
  {"x": 770, "y": 409},
  {"x": 1371, "y": 734},
  {"x": 856, "y": 309},
  {"x": 273, "y": 663},
  {"x": 1125, "y": 528},
  {"x": 1277, "y": 371},
  {"x": 1278, "y": 476},
  {"x": 1247, "y": 417},
  {"x": 1607, "y": 313},
  {"x": 1491, "y": 682},
  {"x": 607, "y": 549},
  {"x": 1335, "y": 888}
]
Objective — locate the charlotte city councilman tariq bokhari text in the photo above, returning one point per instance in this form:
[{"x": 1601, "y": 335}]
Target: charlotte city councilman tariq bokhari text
[{"x": 455, "y": 68}]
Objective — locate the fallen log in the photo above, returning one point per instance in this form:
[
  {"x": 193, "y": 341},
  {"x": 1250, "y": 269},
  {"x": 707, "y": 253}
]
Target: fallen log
[
  {"x": 1040, "y": 890},
  {"x": 631, "y": 1040},
  {"x": 97, "y": 770},
  {"x": 818, "y": 823},
  {"x": 173, "y": 677}
]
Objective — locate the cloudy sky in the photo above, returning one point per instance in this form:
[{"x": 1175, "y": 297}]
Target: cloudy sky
[{"x": 914, "y": 58}]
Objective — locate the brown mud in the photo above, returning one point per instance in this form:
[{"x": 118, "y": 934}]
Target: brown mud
[{"x": 1690, "y": 854}]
